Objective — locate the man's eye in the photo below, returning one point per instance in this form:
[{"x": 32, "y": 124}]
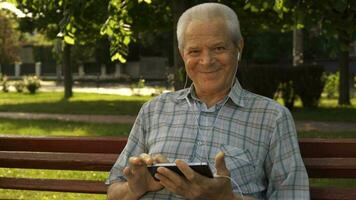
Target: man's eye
[
  {"x": 193, "y": 52},
  {"x": 220, "y": 48}
]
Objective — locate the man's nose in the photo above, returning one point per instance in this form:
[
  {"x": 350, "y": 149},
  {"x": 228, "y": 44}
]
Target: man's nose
[{"x": 207, "y": 58}]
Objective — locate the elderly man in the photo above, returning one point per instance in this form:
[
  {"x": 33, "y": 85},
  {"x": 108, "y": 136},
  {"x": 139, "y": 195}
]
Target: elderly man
[{"x": 248, "y": 140}]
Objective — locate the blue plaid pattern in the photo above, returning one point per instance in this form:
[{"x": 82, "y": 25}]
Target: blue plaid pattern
[{"x": 257, "y": 135}]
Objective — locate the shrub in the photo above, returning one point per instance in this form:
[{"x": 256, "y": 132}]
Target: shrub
[
  {"x": 331, "y": 88},
  {"x": 287, "y": 92},
  {"x": 4, "y": 83},
  {"x": 308, "y": 84},
  {"x": 263, "y": 80},
  {"x": 19, "y": 86},
  {"x": 32, "y": 83}
]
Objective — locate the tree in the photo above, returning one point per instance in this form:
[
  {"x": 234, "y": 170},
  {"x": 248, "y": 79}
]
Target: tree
[
  {"x": 74, "y": 22},
  {"x": 8, "y": 39},
  {"x": 336, "y": 20}
]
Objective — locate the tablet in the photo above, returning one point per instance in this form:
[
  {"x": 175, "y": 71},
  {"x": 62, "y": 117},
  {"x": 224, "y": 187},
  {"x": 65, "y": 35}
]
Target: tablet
[{"x": 202, "y": 168}]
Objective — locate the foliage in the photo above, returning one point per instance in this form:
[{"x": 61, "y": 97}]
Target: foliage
[
  {"x": 287, "y": 92},
  {"x": 261, "y": 79},
  {"x": 4, "y": 83},
  {"x": 308, "y": 84},
  {"x": 32, "y": 83},
  {"x": 19, "y": 86},
  {"x": 9, "y": 37},
  {"x": 331, "y": 87}
]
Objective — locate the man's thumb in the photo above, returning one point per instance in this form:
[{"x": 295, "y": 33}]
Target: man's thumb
[{"x": 220, "y": 164}]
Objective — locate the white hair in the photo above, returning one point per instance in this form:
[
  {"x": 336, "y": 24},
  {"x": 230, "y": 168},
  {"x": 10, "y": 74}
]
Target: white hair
[{"x": 208, "y": 12}]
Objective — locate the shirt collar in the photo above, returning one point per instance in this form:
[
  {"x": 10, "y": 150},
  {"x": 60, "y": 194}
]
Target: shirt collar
[{"x": 236, "y": 94}]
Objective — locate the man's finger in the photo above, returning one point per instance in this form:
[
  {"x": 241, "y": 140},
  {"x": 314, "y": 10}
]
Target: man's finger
[
  {"x": 159, "y": 158},
  {"x": 188, "y": 172},
  {"x": 127, "y": 172},
  {"x": 220, "y": 165},
  {"x": 146, "y": 158}
]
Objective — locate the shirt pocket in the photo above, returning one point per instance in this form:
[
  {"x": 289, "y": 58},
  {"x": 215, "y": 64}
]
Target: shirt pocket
[{"x": 242, "y": 169}]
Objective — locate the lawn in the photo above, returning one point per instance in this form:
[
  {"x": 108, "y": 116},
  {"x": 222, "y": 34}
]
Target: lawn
[
  {"x": 61, "y": 128},
  {"x": 104, "y": 104},
  {"x": 81, "y": 103}
]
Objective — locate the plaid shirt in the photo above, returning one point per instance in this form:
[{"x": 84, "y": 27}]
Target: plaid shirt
[{"x": 257, "y": 135}]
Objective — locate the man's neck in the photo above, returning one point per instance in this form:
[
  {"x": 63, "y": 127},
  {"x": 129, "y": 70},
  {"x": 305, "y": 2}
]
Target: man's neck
[{"x": 211, "y": 98}]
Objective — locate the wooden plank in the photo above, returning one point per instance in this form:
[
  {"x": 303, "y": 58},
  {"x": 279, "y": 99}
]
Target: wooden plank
[
  {"x": 332, "y": 193},
  {"x": 331, "y": 167},
  {"x": 65, "y": 161},
  {"x": 78, "y": 186},
  {"x": 63, "y": 144},
  {"x": 317, "y": 147}
]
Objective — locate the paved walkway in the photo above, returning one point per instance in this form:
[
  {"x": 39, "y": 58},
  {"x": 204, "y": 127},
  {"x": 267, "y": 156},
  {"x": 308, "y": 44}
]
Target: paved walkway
[{"x": 301, "y": 125}]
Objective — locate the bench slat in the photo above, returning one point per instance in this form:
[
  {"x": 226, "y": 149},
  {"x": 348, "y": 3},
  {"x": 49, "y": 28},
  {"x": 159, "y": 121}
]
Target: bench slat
[
  {"x": 66, "y": 161},
  {"x": 331, "y": 167},
  {"x": 79, "y": 186},
  {"x": 332, "y": 193},
  {"x": 63, "y": 144},
  {"x": 318, "y": 147}
]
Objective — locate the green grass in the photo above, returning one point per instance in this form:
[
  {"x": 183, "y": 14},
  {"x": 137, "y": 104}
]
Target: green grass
[
  {"x": 343, "y": 182},
  {"x": 61, "y": 128},
  {"x": 84, "y": 103},
  {"x": 51, "y": 174},
  {"x": 81, "y": 103},
  {"x": 328, "y": 110}
]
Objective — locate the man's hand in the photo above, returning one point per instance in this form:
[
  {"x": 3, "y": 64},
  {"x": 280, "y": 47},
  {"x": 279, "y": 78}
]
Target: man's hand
[
  {"x": 139, "y": 179},
  {"x": 195, "y": 186}
]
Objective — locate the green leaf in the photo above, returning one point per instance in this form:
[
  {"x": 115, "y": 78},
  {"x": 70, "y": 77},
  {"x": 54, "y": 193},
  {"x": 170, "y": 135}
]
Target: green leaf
[
  {"x": 69, "y": 40},
  {"x": 118, "y": 56}
]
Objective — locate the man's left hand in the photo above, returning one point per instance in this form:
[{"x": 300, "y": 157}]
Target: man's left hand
[{"x": 195, "y": 186}]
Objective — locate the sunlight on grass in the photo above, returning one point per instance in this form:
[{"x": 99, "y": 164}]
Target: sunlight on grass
[
  {"x": 61, "y": 128},
  {"x": 36, "y": 195},
  {"x": 80, "y": 103},
  {"x": 51, "y": 174}
]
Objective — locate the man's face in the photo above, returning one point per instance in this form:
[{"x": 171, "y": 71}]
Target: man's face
[{"x": 210, "y": 56}]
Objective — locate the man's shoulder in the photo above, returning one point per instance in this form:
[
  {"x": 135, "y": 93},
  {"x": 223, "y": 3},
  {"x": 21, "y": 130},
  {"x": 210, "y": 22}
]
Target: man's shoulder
[
  {"x": 167, "y": 98},
  {"x": 258, "y": 102}
]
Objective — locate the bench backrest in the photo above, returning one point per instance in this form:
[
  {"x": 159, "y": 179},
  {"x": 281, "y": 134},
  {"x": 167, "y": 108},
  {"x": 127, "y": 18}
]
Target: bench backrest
[{"x": 324, "y": 158}]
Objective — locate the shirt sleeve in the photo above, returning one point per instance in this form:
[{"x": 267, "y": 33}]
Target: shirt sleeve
[
  {"x": 135, "y": 146},
  {"x": 285, "y": 170}
]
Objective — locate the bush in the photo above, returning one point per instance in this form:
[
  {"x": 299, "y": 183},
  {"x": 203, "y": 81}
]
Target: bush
[
  {"x": 32, "y": 83},
  {"x": 4, "y": 83},
  {"x": 331, "y": 88},
  {"x": 308, "y": 84},
  {"x": 263, "y": 80},
  {"x": 19, "y": 86}
]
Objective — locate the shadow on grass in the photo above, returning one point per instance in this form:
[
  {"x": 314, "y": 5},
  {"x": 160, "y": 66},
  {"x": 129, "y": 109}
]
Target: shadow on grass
[{"x": 345, "y": 114}]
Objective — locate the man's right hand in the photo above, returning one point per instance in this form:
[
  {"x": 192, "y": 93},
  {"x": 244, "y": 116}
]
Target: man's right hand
[{"x": 139, "y": 180}]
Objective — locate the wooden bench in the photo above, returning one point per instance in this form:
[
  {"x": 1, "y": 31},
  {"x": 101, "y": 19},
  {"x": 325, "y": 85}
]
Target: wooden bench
[{"x": 324, "y": 158}]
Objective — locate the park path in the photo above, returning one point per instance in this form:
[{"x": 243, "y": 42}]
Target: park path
[{"x": 127, "y": 119}]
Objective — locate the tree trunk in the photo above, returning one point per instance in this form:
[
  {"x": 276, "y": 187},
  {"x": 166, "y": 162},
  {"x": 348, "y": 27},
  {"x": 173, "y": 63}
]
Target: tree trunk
[
  {"x": 344, "y": 84},
  {"x": 67, "y": 69},
  {"x": 298, "y": 47},
  {"x": 178, "y": 7}
]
